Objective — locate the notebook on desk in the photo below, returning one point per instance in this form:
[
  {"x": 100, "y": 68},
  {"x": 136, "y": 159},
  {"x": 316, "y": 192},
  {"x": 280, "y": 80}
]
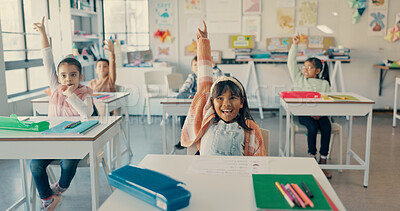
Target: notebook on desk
[
  {"x": 83, "y": 127},
  {"x": 268, "y": 197}
]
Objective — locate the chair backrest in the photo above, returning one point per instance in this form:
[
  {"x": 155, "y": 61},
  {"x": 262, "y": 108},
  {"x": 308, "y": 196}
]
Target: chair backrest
[
  {"x": 119, "y": 88},
  {"x": 265, "y": 134},
  {"x": 155, "y": 82},
  {"x": 174, "y": 81}
]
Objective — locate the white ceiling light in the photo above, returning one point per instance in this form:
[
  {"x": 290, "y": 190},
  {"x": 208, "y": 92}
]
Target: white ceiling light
[
  {"x": 325, "y": 29},
  {"x": 335, "y": 13}
]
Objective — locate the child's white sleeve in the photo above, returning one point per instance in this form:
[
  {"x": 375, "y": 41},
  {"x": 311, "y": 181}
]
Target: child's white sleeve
[
  {"x": 83, "y": 107},
  {"x": 48, "y": 62}
]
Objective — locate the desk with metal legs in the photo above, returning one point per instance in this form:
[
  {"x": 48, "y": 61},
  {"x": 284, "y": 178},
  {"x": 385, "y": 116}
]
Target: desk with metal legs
[{"x": 321, "y": 107}]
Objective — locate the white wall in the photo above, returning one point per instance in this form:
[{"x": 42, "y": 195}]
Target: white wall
[{"x": 360, "y": 76}]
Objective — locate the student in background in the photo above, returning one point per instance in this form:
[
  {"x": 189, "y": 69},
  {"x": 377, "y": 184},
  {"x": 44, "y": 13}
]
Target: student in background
[
  {"x": 106, "y": 71},
  {"x": 307, "y": 80},
  {"x": 68, "y": 98},
  {"x": 189, "y": 88},
  {"x": 219, "y": 120}
]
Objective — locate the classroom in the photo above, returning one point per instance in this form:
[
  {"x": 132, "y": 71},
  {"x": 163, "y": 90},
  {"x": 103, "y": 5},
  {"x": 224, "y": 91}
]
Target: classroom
[{"x": 106, "y": 103}]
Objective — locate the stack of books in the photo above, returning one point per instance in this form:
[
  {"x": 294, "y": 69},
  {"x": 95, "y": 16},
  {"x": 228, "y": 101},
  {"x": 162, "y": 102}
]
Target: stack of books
[
  {"x": 279, "y": 54},
  {"x": 335, "y": 53},
  {"x": 243, "y": 53}
]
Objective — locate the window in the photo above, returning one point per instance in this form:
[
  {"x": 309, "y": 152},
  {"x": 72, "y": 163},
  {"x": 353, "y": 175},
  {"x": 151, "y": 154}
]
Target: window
[
  {"x": 129, "y": 20},
  {"x": 21, "y": 45}
]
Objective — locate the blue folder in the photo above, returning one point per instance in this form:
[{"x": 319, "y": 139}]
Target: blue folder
[
  {"x": 81, "y": 128},
  {"x": 150, "y": 186}
]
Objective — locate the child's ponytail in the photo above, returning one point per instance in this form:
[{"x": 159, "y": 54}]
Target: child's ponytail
[{"x": 325, "y": 73}]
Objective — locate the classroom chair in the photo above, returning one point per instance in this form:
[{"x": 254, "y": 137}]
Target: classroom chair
[
  {"x": 154, "y": 83},
  {"x": 265, "y": 135},
  {"x": 297, "y": 128},
  {"x": 82, "y": 163},
  {"x": 174, "y": 82},
  {"x": 395, "y": 115}
]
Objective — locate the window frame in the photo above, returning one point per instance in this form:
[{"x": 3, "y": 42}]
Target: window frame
[
  {"x": 127, "y": 33},
  {"x": 25, "y": 63}
]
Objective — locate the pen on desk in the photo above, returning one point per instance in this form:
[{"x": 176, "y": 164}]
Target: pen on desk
[
  {"x": 292, "y": 195},
  {"x": 308, "y": 191},
  {"x": 303, "y": 195},
  {"x": 288, "y": 186},
  {"x": 72, "y": 125},
  {"x": 338, "y": 97},
  {"x": 284, "y": 194},
  {"x": 287, "y": 193}
]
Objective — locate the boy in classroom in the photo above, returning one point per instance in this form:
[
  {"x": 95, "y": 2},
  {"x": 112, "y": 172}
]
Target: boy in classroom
[
  {"x": 307, "y": 80},
  {"x": 219, "y": 120},
  {"x": 106, "y": 71},
  {"x": 68, "y": 98},
  {"x": 189, "y": 88}
]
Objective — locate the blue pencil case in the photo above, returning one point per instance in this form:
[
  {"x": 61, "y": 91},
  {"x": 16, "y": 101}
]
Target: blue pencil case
[{"x": 150, "y": 186}]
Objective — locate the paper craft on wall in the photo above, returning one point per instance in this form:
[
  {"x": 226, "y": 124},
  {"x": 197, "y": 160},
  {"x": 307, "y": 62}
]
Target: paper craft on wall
[
  {"x": 164, "y": 36},
  {"x": 377, "y": 21},
  {"x": 191, "y": 49},
  {"x": 360, "y": 6},
  {"x": 164, "y": 14},
  {"x": 251, "y": 6},
  {"x": 192, "y": 6},
  {"x": 163, "y": 51},
  {"x": 393, "y": 34},
  {"x": 285, "y": 20},
  {"x": 307, "y": 12},
  {"x": 378, "y": 4},
  {"x": 252, "y": 26}
]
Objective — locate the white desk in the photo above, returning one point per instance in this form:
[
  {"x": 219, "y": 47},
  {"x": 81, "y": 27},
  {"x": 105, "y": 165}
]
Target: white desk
[
  {"x": 118, "y": 100},
  {"x": 33, "y": 145},
  {"x": 320, "y": 107},
  {"x": 174, "y": 107},
  {"x": 217, "y": 192}
]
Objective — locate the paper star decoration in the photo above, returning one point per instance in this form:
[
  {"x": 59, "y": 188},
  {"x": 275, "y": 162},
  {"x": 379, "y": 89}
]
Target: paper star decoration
[
  {"x": 164, "y": 36},
  {"x": 360, "y": 6},
  {"x": 393, "y": 34}
]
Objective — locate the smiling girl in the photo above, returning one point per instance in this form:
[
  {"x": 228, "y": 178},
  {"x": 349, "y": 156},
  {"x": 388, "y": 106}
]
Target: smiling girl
[{"x": 219, "y": 121}]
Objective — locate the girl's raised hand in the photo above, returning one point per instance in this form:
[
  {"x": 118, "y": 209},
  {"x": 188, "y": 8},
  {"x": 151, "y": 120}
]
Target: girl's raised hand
[
  {"x": 109, "y": 46},
  {"x": 296, "y": 39},
  {"x": 40, "y": 27},
  {"x": 200, "y": 33}
]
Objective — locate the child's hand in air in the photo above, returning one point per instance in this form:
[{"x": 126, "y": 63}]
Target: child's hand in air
[
  {"x": 40, "y": 27},
  {"x": 109, "y": 46},
  {"x": 296, "y": 39},
  {"x": 68, "y": 90},
  {"x": 200, "y": 33}
]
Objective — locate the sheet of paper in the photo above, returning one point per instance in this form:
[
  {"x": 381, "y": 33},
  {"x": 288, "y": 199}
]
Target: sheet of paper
[
  {"x": 222, "y": 18},
  {"x": 228, "y": 165},
  {"x": 284, "y": 3}
]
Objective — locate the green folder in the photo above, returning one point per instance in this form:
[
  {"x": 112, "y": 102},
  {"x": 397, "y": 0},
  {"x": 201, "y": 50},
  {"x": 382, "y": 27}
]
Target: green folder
[{"x": 269, "y": 197}]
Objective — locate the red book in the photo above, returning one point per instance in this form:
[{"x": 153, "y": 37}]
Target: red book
[{"x": 300, "y": 94}]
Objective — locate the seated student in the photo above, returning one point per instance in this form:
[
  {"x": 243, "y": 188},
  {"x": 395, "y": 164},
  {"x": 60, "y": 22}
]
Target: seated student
[
  {"x": 68, "y": 98},
  {"x": 219, "y": 120},
  {"x": 106, "y": 71},
  {"x": 189, "y": 89},
  {"x": 307, "y": 80}
]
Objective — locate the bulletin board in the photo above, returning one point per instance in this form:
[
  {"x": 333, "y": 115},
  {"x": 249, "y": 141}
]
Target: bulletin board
[{"x": 311, "y": 42}]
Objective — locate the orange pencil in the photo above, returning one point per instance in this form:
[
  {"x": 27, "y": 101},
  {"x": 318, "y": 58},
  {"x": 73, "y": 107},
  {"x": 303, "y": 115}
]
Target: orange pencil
[
  {"x": 296, "y": 195},
  {"x": 303, "y": 195}
]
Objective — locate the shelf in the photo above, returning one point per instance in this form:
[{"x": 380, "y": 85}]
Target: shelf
[
  {"x": 84, "y": 39},
  {"x": 83, "y": 13}
]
